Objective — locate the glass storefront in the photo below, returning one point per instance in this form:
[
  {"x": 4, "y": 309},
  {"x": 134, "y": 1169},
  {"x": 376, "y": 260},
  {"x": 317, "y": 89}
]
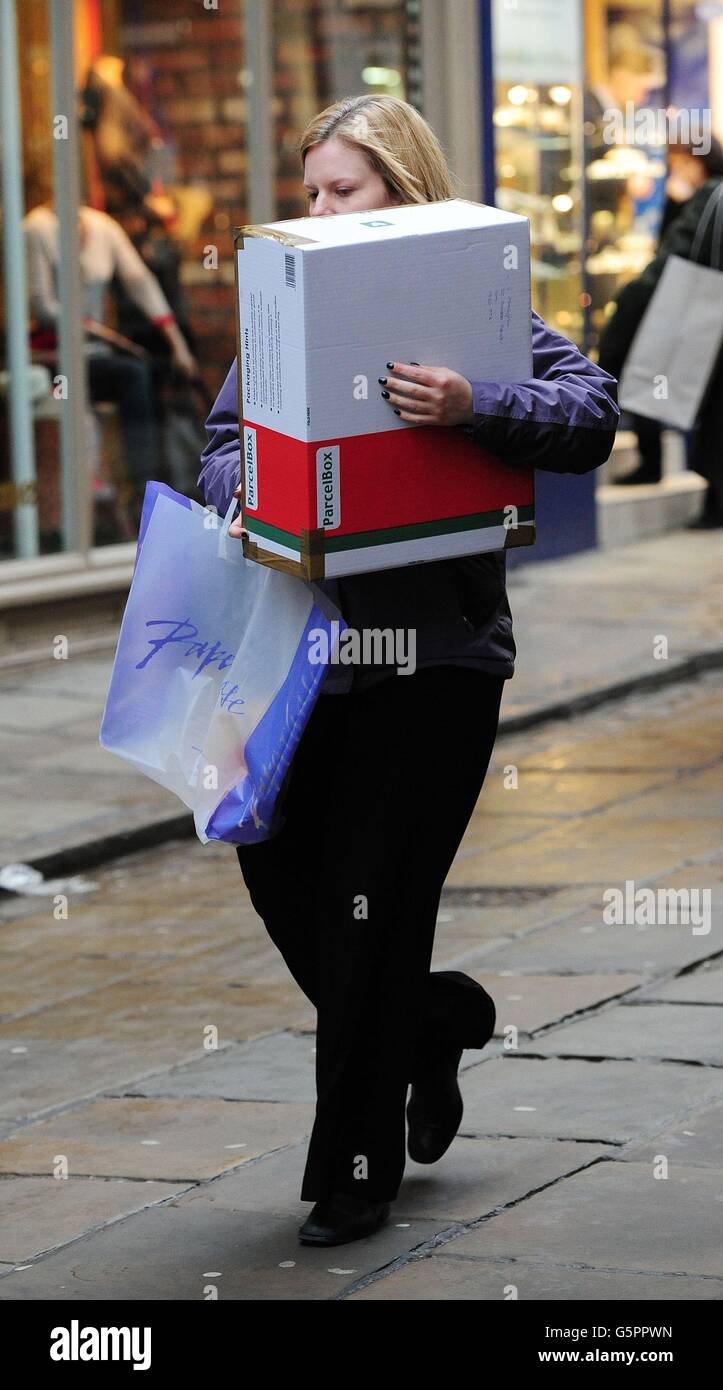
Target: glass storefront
[
  {"x": 160, "y": 125},
  {"x": 323, "y": 52},
  {"x": 581, "y": 93},
  {"x": 537, "y": 65},
  {"x": 184, "y": 117},
  {"x": 165, "y": 125}
]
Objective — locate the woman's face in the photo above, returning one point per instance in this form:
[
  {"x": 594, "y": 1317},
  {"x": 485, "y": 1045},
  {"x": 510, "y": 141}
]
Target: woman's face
[
  {"x": 339, "y": 178},
  {"x": 687, "y": 169}
]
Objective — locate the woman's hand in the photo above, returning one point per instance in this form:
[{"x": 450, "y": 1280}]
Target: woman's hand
[
  {"x": 428, "y": 395},
  {"x": 237, "y": 528}
]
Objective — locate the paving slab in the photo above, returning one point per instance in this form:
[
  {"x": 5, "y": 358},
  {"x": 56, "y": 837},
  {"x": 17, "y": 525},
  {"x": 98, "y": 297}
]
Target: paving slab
[
  {"x": 40, "y": 1073},
  {"x": 24, "y": 707},
  {"x": 193, "y": 1253},
  {"x": 612, "y": 1102},
  {"x": 599, "y": 848},
  {"x": 585, "y": 943},
  {"x": 613, "y": 1215},
  {"x": 131, "y": 941},
  {"x": 81, "y": 819},
  {"x": 488, "y": 834},
  {"x": 278, "y": 1067},
  {"x": 696, "y": 1140},
  {"x": 528, "y": 1002},
  {"x": 686, "y": 745},
  {"x": 28, "y": 982},
  {"x": 701, "y": 870},
  {"x": 102, "y": 924},
  {"x": 163, "y": 1139},
  {"x": 478, "y": 1175},
  {"x": 40, "y": 1214},
  {"x": 551, "y": 792},
  {"x": 163, "y": 1014},
  {"x": 442, "y": 1278},
  {"x": 696, "y": 793},
  {"x": 490, "y": 916},
  {"x": 703, "y": 986},
  {"x": 677, "y": 1032},
  {"x": 475, "y": 1177}
]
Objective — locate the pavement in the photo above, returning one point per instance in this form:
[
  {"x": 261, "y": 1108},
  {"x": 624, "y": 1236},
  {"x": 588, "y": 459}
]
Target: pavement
[
  {"x": 158, "y": 1059},
  {"x": 588, "y": 628}
]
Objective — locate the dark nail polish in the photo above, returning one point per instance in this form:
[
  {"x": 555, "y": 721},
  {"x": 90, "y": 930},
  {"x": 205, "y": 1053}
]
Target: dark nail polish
[
  {"x": 382, "y": 380},
  {"x": 414, "y": 364},
  {"x": 389, "y": 365},
  {"x": 397, "y": 412},
  {"x": 385, "y": 395}
]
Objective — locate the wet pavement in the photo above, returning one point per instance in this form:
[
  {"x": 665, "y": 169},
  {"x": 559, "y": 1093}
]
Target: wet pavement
[
  {"x": 158, "y": 1060},
  {"x": 584, "y": 626}
]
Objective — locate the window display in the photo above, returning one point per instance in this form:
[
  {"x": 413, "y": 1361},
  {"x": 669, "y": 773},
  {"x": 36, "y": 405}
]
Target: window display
[{"x": 538, "y": 146}]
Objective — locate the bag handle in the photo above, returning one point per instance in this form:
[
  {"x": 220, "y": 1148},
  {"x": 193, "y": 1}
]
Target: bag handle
[
  {"x": 713, "y": 206},
  {"x": 223, "y": 538}
]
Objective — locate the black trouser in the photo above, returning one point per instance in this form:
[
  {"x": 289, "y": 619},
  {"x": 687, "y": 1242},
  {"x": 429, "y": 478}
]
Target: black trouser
[
  {"x": 650, "y": 444},
  {"x": 128, "y": 381},
  {"x": 381, "y": 790}
]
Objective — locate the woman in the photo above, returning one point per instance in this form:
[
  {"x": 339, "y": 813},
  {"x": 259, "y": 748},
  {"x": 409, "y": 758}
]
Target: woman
[
  {"x": 106, "y": 255},
  {"x": 690, "y": 168},
  {"x": 388, "y": 771}
]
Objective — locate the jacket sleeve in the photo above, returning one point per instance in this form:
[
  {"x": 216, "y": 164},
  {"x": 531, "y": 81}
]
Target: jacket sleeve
[
  {"x": 563, "y": 420},
  {"x": 221, "y": 459}
]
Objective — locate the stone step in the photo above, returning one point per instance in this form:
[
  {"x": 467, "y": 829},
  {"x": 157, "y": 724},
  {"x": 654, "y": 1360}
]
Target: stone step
[{"x": 629, "y": 514}]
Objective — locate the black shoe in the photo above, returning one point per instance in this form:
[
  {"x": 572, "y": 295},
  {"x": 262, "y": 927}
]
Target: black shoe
[
  {"x": 644, "y": 473},
  {"x": 435, "y": 1108},
  {"x": 342, "y": 1217}
]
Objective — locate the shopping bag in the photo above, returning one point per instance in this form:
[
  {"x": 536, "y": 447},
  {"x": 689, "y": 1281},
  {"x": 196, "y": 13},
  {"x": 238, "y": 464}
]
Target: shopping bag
[
  {"x": 674, "y": 352},
  {"x": 215, "y": 676}
]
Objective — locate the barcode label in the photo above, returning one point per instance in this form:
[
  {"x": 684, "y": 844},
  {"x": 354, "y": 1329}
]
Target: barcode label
[{"x": 290, "y": 267}]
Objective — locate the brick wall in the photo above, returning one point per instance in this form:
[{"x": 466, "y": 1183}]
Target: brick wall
[{"x": 186, "y": 65}]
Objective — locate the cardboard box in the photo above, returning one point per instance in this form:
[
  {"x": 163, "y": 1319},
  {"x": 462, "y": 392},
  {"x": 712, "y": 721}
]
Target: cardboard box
[{"x": 334, "y": 482}]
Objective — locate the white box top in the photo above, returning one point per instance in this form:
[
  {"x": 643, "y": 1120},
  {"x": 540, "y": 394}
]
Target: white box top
[{"x": 386, "y": 224}]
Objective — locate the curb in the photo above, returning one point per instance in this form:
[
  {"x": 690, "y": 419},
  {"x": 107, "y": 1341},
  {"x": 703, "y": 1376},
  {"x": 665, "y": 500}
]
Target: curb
[
  {"x": 686, "y": 669},
  {"x": 74, "y": 858}
]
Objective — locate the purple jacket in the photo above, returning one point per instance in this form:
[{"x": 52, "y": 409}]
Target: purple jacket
[{"x": 563, "y": 420}]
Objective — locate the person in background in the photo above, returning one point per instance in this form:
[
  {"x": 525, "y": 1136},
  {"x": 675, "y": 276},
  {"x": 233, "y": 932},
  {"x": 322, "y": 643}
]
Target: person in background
[
  {"x": 689, "y": 170},
  {"x": 105, "y": 253},
  {"x": 388, "y": 770}
]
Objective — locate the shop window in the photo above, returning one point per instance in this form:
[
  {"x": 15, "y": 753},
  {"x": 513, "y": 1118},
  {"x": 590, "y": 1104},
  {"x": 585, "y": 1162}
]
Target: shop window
[
  {"x": 330, "y": 49},
  {"x": 538, "y": 146},
  {"x": 162, "y": 116},
  {"x": 625, "y": 147}
]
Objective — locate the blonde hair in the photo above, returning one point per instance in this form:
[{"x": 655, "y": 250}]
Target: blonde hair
[{"x": 397, "y": 141}]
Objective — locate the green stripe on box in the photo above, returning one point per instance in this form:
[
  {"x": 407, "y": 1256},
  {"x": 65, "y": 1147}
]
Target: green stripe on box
[
  {"x": 272, "y": 533},
  {"x": 416, "y": 530}
]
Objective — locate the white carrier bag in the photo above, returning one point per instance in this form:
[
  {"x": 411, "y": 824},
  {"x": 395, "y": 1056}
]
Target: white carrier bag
[
  {"x": 672, "y": 356},
  {"x": 212, "y": 683}
]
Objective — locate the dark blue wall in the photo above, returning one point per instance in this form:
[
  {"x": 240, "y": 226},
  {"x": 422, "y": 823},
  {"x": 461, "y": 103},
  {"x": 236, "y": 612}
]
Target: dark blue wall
[{"x": 564, "y": 515}]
